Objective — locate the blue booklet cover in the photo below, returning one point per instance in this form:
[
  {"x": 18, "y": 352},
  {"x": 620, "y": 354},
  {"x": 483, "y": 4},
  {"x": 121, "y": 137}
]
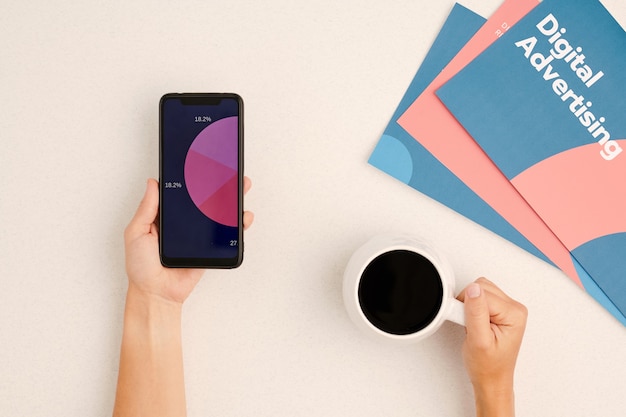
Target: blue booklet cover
[{"x": 547, "y": 103}]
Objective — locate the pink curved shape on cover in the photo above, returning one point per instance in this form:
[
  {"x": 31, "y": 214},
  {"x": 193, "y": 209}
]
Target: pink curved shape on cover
[{"x": 579, "y": 194}]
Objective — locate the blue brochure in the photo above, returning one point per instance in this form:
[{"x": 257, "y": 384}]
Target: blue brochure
[{"x": 547, "y": 103}]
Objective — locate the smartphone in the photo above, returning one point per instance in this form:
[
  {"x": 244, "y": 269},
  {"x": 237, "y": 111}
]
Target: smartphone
[{"x": 201, "y": 180}]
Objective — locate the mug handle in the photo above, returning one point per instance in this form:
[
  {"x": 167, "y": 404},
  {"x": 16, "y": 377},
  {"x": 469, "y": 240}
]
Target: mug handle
[{"x": 456, "y": 312}]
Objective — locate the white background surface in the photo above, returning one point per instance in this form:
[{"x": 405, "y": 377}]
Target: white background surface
[{"x": 79, "y": 134}]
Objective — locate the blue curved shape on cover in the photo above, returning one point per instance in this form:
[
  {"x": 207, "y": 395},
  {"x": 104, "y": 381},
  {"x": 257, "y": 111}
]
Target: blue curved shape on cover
[{"x": 393, "y": 158}]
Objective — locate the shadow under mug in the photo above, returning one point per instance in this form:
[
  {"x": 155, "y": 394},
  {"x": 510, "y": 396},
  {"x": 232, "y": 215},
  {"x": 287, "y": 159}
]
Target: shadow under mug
[{"x": 400, "y": 289}]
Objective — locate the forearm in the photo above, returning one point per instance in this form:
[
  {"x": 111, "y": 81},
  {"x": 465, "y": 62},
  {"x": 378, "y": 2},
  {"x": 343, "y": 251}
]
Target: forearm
[
  {"x": 495, "y": 401},
  {"x": 151, "y": 379}
]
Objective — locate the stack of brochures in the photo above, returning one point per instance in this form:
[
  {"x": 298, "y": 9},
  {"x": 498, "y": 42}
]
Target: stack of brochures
[{"x": 518, "y": 122}]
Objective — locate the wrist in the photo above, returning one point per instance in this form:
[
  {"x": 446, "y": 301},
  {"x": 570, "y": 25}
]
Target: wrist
[
  {"x": 151, "y": 315},
  {"x": 141, "y": 302}
]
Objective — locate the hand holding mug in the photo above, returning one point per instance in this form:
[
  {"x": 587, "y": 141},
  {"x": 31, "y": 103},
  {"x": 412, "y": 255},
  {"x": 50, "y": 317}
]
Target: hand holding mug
[
  {"x": 400, "y": 289},
  {"x": 495, "y": 327}
]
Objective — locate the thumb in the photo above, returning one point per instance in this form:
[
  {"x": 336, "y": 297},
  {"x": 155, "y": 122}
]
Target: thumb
[
  {"x": 477, "y": 319},
  {"x": 146, "y": 212}
]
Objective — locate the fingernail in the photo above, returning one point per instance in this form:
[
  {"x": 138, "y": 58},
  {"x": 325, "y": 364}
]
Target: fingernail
[{"x": 473, "y": 290}]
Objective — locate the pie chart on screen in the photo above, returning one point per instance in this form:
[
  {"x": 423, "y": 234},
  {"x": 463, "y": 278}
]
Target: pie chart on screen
[{"x": 211, "y": 171}]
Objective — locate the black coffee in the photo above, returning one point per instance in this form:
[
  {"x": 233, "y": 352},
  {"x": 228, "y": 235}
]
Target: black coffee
[{"x": 400, "y": 292}]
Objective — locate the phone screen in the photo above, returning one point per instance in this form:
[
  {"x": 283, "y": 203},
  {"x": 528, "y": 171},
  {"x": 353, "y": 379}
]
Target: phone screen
[{"x": 201, "y": 157}]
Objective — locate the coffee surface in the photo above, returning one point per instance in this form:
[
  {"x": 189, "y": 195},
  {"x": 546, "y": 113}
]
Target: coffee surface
[{"x": 400, "y": 292}]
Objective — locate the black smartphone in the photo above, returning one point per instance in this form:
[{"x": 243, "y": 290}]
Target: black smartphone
[{"x": 201, "y": 180}]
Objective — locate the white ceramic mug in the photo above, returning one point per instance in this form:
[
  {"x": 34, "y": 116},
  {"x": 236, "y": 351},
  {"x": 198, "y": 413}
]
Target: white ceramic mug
[{"x": 400, "y": 289}]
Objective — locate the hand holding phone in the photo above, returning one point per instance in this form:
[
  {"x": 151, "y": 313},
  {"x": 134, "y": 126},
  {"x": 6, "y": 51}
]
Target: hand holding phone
[{"x": 201, "y": 180}]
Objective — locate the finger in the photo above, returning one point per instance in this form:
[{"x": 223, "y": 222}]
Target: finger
[
  {"x": 484, "y": 284},
  {"x": 493, "y": 288},
  {"x": 146, "y": 213},
  {"x": 477, "y": 318},
  {"x": 248, "y": 218},
  {"x": 505, "y": 311}
]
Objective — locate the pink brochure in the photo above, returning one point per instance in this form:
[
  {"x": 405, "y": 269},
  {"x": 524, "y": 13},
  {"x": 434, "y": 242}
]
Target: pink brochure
[{"x": 431, "y": 124}]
